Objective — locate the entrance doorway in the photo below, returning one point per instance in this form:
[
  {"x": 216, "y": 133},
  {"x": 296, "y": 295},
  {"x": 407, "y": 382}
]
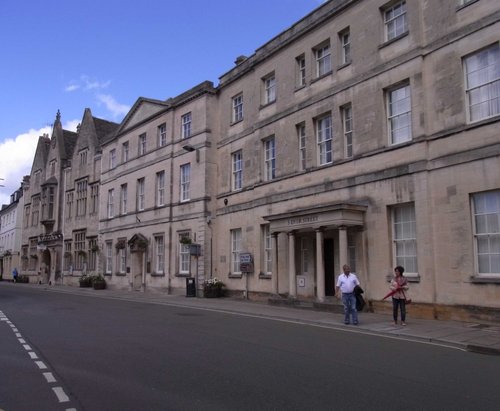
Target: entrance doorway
[
  {"x": 329, "y": 267},
  {"x": 45, "y": 267}
]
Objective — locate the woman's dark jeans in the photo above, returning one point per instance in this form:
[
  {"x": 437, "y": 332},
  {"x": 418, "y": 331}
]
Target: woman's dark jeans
[{"x": 396, "y": 303}]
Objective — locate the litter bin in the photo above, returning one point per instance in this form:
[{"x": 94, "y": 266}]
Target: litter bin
[{"x": 190, "y": 287}]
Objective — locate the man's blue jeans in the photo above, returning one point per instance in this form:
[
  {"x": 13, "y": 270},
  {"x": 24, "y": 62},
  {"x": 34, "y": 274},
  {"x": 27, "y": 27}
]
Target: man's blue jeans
[{"x": 349, "y": 301}]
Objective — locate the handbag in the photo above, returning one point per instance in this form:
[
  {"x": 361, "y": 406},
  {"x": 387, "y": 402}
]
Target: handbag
[{"x": 407, "y": 300}]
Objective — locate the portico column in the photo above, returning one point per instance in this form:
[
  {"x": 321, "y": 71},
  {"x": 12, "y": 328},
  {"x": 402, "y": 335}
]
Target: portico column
[
  {"x": 274, "y": 237},
  {"x": 320, "y": 264},
  {"x": 291, "y": 264},
  {"x": 343, "y": 246}
]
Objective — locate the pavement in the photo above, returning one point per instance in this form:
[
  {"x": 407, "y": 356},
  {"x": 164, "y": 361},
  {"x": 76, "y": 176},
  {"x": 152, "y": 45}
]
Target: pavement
[{"x": 473, "y": 337}]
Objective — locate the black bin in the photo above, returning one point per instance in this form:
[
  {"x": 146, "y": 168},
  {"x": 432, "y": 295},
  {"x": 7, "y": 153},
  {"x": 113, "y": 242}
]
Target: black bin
[{"x": 190, "y": 287}]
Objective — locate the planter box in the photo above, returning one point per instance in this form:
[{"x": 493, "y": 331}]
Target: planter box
[
  {"x": 213, "y": 292},
  {"x": 99, "y": 286}
]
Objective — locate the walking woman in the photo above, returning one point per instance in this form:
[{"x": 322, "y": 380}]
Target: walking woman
[{"x": 400, "y": 286}]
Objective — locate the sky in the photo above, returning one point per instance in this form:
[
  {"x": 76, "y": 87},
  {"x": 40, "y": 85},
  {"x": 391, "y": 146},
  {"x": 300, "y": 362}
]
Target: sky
[{"x": 68, "y": 55}]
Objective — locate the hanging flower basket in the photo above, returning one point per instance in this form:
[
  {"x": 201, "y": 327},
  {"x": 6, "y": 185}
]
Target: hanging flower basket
[
  {"x": 120, "y": 245},
  {"x": 185, "y": 240}
]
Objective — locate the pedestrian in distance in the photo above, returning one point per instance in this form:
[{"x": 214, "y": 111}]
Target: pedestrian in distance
[
  {"x": 399, "y": 285},
  {"x": 14, "y": 275},
  {"x": 346, "y": 283}
]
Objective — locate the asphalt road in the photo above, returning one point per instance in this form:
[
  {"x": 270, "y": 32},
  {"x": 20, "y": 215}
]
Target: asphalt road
[{"x": 102, "y": 354}]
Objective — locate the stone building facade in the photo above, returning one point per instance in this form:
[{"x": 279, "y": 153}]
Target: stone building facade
[
  {"x": 367, "y": 133},
  {"x": 158, "y": 175},
  {"x": 11, "y": 217},
  {"x": 60, "y": 221}
]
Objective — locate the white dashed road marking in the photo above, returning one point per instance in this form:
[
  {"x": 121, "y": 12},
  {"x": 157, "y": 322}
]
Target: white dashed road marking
[
  {"x": 49, "y": 377},
  {"x": 61, "y": 396}
]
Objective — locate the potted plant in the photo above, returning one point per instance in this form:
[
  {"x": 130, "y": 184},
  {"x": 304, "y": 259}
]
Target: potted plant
[
  {"x": 98, "y": 282},
  {"x": 120, "y": 245},
  {"x": 213, "y": 288},
  {"x": 185, "y": 240}
]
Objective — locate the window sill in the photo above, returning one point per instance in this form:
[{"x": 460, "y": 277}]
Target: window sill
[
  {"x": 344, "y": 65},
  {"x": 322, "y": 76},
  {"x": 409, "y": 278},
  {"x": 265, "y": 276},
  {"x": 389, "y": 42},
  {"x": 265, "y": 105},
  {"x": 235, "y": 122},
  {"x": 183, "y": 275},
  {"x": 463, "y": 6},
  {"x": 298, "y": 88},
  {"x": 484, "y": 280},
  {"x": 157, "y": 274},
  {"x": 236, "y": 275}
]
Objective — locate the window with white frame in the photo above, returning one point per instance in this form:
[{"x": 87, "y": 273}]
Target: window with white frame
[
  {"x": 323, "y": 60},
  {"x": 159, "y": 257},
  {"x": 345, "y": 44},
  {"x": 141, "y": 194},
  {"x": 237, "y": 172},
  {"x": 324, "y": 139},
  {"x": 122, "y": 260},
  {"x": 464, "y": 2},
  {"x": 142, "y": 144},
  {"x": 160, "y": 188},
  {"x": 301, "y": 137},
  {"x": 395, "y": 20},
  {"x": 80, "y": 257},
  {"x": 268, "y": 249},
  {"x": 404, "y": 237},
  {"x": 27, "y": 213},
  {"x": 347, "y": 125},
  {"x": 486, "y": 209},
  {"x": 109, "y": 257},
  {"x": 112, "y": 159},
  {"x": 111, "y": 204},
  {"x": 162, "y": 135},
  {"x": 125, "y": 152},
  {"x": 235, "y": 250},
  {"x": 184, "y": 253},
  {"x": 92, "y": 260},
  {"x": 269, "y": 159},
  {"x": 300, "y": 64},
  {"x": 35, "y": 212},
  {"x": 399, "y": 114},
  {"x": 69, "y": 205},
  {"x": 237, "y": 108},
  {"x": 94, "y": 198},
  {"x": 81, "y": 198},
  {"x": 186, "y": 126},
  {"x": 83, "y": 157},
  {"x": 123, "y": 198},
  {"x": 68, "y": 255},
  {"x": 269, "y": 83},
  {"x": 482, "y": 71},
  {"x": 185, "y": 179}
]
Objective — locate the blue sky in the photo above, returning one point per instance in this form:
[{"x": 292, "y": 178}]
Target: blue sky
[{"x": 104, "y": 54}]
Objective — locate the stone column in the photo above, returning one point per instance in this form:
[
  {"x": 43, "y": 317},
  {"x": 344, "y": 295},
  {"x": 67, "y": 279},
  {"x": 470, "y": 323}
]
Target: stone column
[
  {"x": 343, "y": 255},
  {"x": 320, "y": 266},
  {"x": 274, "y": 237},
  {"x": 291, "y": 264}
]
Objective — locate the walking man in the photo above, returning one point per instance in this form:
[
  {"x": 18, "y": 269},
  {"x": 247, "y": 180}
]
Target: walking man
[{"x": 345, "y": 284}]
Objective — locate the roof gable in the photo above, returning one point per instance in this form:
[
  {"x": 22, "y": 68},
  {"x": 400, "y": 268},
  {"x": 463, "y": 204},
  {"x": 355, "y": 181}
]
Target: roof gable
[{"x": 142, "y": 110}]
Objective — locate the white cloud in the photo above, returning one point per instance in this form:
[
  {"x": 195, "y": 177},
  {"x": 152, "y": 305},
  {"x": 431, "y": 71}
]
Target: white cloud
[
  {"x": 16, "y": 158},
  {"x": 112, "y": 105},
  {"x": 71, "y": 87}
]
